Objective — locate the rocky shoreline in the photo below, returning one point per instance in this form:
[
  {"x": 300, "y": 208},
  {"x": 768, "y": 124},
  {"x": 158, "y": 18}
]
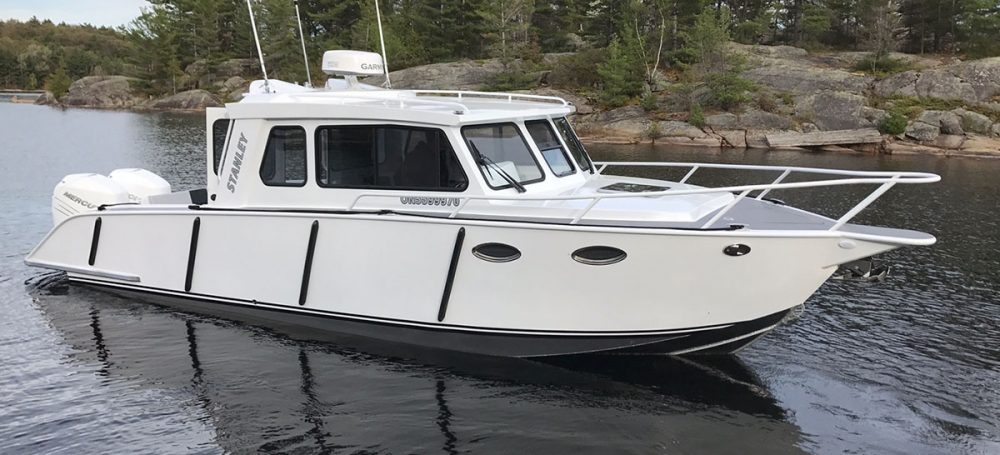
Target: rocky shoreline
[
  {"x": 199, "y": 87},
  {"x": 952, "y": 107}
]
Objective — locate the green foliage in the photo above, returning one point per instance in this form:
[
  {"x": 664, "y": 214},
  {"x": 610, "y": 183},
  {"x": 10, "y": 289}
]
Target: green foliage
[
  {"x": 653, "y": 131},
  {"x": 728, "y": 90},
  {"x": 58, "y": 83},
  {"x": 696, "y": 117},
  {"x": 913, "y": 106},
  {"x": 815, "y": 24},
  {"x": 511, "y": 80},
  {"x": 787, "y": 99},
  {"x": 894, "y": 123},
  {"x": 752, "y": 31},
  {"x": 686, "y": 35},
  {"x": 682, "y": 58},
  {"x": 980, "y": 27},
  {"x": 621, "y": 76},
  {"x": 766, "y": 102},
  {"x": 884, "y": 66},
  {"x": 707, "y": 39},
  {"x": 577, "y": 71},
  {"x": 649, "y": 102}
]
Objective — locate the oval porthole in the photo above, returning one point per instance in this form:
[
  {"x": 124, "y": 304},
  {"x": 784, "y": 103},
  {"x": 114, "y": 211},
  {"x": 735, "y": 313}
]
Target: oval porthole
[
  {"x": 496, "y": 252},
  {"x": 737, "y": 250},
  {"x": 599, "y": 255}
]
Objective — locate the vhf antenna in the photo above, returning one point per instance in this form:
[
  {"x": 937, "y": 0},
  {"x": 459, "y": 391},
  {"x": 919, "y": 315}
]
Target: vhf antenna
[
  {"x": 256, "y": 38},
  {"x": 302, "y": 37},
  {"x": 385, "y": 62}
]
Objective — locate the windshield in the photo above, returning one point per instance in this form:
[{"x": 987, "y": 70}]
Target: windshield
[
  {"x": 575, "y": 147},
  {"x": 501, "y": 153},
  {"x": 552, "y": 150}
]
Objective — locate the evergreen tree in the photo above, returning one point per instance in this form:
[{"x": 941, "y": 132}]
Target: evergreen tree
[
  {"x": 58, "y": 83},
  {"x": 506, "y": 26},
  {"x": 981, "y": 28},
  {"x": 280, "y": 40},
  {"x": 621, "y": 75}
]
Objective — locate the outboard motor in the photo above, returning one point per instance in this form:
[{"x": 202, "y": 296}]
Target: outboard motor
[
  {"x": 80, "y": 193},
  {"x": 140, "y": 183}
]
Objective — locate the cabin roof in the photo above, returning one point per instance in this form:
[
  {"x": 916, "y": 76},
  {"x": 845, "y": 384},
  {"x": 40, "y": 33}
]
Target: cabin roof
[{"x": 437, "y": 107}]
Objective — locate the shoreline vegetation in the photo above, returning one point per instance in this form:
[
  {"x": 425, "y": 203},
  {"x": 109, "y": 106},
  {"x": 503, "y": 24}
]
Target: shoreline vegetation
[{"x": 734, "y": 73}]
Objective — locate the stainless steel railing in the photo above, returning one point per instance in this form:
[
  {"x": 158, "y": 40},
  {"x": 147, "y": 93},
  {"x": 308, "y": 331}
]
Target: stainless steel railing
[{"x": 885, "y": 179}]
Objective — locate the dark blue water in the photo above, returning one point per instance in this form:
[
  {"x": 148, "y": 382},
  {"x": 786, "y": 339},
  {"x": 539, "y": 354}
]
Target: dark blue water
[{"x": 911, "y": 365}]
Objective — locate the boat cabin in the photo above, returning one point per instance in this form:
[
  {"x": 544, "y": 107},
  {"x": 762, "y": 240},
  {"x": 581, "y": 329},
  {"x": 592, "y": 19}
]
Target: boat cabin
[{"x": 356, "y": 147}]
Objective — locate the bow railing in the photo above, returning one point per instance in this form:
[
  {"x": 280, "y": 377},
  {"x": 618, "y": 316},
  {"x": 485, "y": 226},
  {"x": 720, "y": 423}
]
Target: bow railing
[{"x": 884, "y": 179}]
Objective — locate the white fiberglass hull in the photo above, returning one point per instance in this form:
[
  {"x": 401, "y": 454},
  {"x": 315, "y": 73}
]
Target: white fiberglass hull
[{"x": 416, "y": 280}]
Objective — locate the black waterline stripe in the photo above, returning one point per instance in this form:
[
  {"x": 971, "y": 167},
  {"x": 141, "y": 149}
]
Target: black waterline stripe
[
  {"x": 389, "y": 321},
  {"x": 192, "y": 252},
  {"x": 288, "y": 310},
  {"x": 307, "y": 269},
  {"x": 94, "y": 241},
  {"x": 452, "y": 268}
]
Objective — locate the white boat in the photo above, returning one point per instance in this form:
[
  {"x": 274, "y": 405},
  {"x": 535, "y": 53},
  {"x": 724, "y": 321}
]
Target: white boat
[{"x": 466, "y": 221}]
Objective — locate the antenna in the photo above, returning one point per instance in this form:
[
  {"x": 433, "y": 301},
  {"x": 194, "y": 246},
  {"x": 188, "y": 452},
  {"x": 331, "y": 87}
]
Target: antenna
[
  {"x": 302, "y": 37},
  {"x": 253, "y": 24},
  {"x": 385, "y": 62}
]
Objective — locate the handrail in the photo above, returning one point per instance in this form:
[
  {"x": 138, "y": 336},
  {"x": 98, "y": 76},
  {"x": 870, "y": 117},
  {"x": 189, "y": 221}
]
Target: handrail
[
  {"x": 885, "y": 179},
  {"x": 375, "y": 96},
  {"x": 510, "y": 97}
]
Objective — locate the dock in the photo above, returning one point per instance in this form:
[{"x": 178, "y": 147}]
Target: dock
[
  {"x": 20, "y": 96},
  {"x": 824, "y": 138}
]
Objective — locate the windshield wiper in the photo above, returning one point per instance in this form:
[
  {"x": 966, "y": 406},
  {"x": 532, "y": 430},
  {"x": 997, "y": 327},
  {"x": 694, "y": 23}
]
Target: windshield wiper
[{"x": 483, "y": 160}]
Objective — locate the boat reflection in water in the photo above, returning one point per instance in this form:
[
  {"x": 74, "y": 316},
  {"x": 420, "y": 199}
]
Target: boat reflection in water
[{"x": 272, "y": 389}]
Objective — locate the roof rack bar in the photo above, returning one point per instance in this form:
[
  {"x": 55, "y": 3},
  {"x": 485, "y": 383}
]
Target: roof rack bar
[{"x": 509, "y": 97}]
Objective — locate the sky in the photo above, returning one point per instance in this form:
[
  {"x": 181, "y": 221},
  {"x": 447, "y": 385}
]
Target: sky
[{"x": 95, "y": 12}]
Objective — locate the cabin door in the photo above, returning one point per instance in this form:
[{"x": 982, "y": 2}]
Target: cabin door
[{"x": 217, "y": 131}]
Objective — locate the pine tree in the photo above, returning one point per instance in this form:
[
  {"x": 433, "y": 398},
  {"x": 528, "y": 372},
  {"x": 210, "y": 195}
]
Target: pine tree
[
  {"x": 981, "y": 28},
  {"x": 621, "y": 75},
  {"x": 507, "y": 23},
  {"x": 58, "y": 83},
  {"x": 280, "y": 41}
]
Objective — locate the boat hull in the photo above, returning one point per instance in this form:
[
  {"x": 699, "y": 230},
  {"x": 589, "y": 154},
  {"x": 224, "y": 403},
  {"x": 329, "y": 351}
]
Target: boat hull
[
  {"x": 424, "y": 281},
  {"x": 724, "y": 339}
]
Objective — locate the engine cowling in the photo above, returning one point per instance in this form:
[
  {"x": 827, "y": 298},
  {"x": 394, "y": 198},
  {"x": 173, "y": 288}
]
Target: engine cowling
[
  {"x": 140, "y": 184},
  {"x": 80, "y": 193}
]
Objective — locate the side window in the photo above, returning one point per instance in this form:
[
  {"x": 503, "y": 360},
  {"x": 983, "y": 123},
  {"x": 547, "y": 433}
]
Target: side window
[
  {"x": 387, "y": 157},
  {"x": 552, "y": 150},
  {"x": 284, "y": 161},
  {"x": 220, "y": 129}
]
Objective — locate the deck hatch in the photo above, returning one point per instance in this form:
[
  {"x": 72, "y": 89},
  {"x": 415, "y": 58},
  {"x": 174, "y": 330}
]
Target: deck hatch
[
  {"x": 599, "y": 255},
  {"x": 623, "y": 187},
  {"x": 496, "y": 252}
]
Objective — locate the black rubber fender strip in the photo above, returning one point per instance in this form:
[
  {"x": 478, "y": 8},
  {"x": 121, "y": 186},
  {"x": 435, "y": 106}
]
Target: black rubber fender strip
[
  {"x": 307, "y": 269},
  {"x": 94, "y": 241},
  {"x": 455, "y": 254},
  {"x": 192, "y": 253}
]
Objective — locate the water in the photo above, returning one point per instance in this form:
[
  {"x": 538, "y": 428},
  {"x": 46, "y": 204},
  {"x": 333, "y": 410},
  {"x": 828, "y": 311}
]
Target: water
[{"x": 907, "y": 366}]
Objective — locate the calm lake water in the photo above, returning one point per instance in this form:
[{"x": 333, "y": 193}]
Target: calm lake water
[{"x": 911, "y": 365}]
